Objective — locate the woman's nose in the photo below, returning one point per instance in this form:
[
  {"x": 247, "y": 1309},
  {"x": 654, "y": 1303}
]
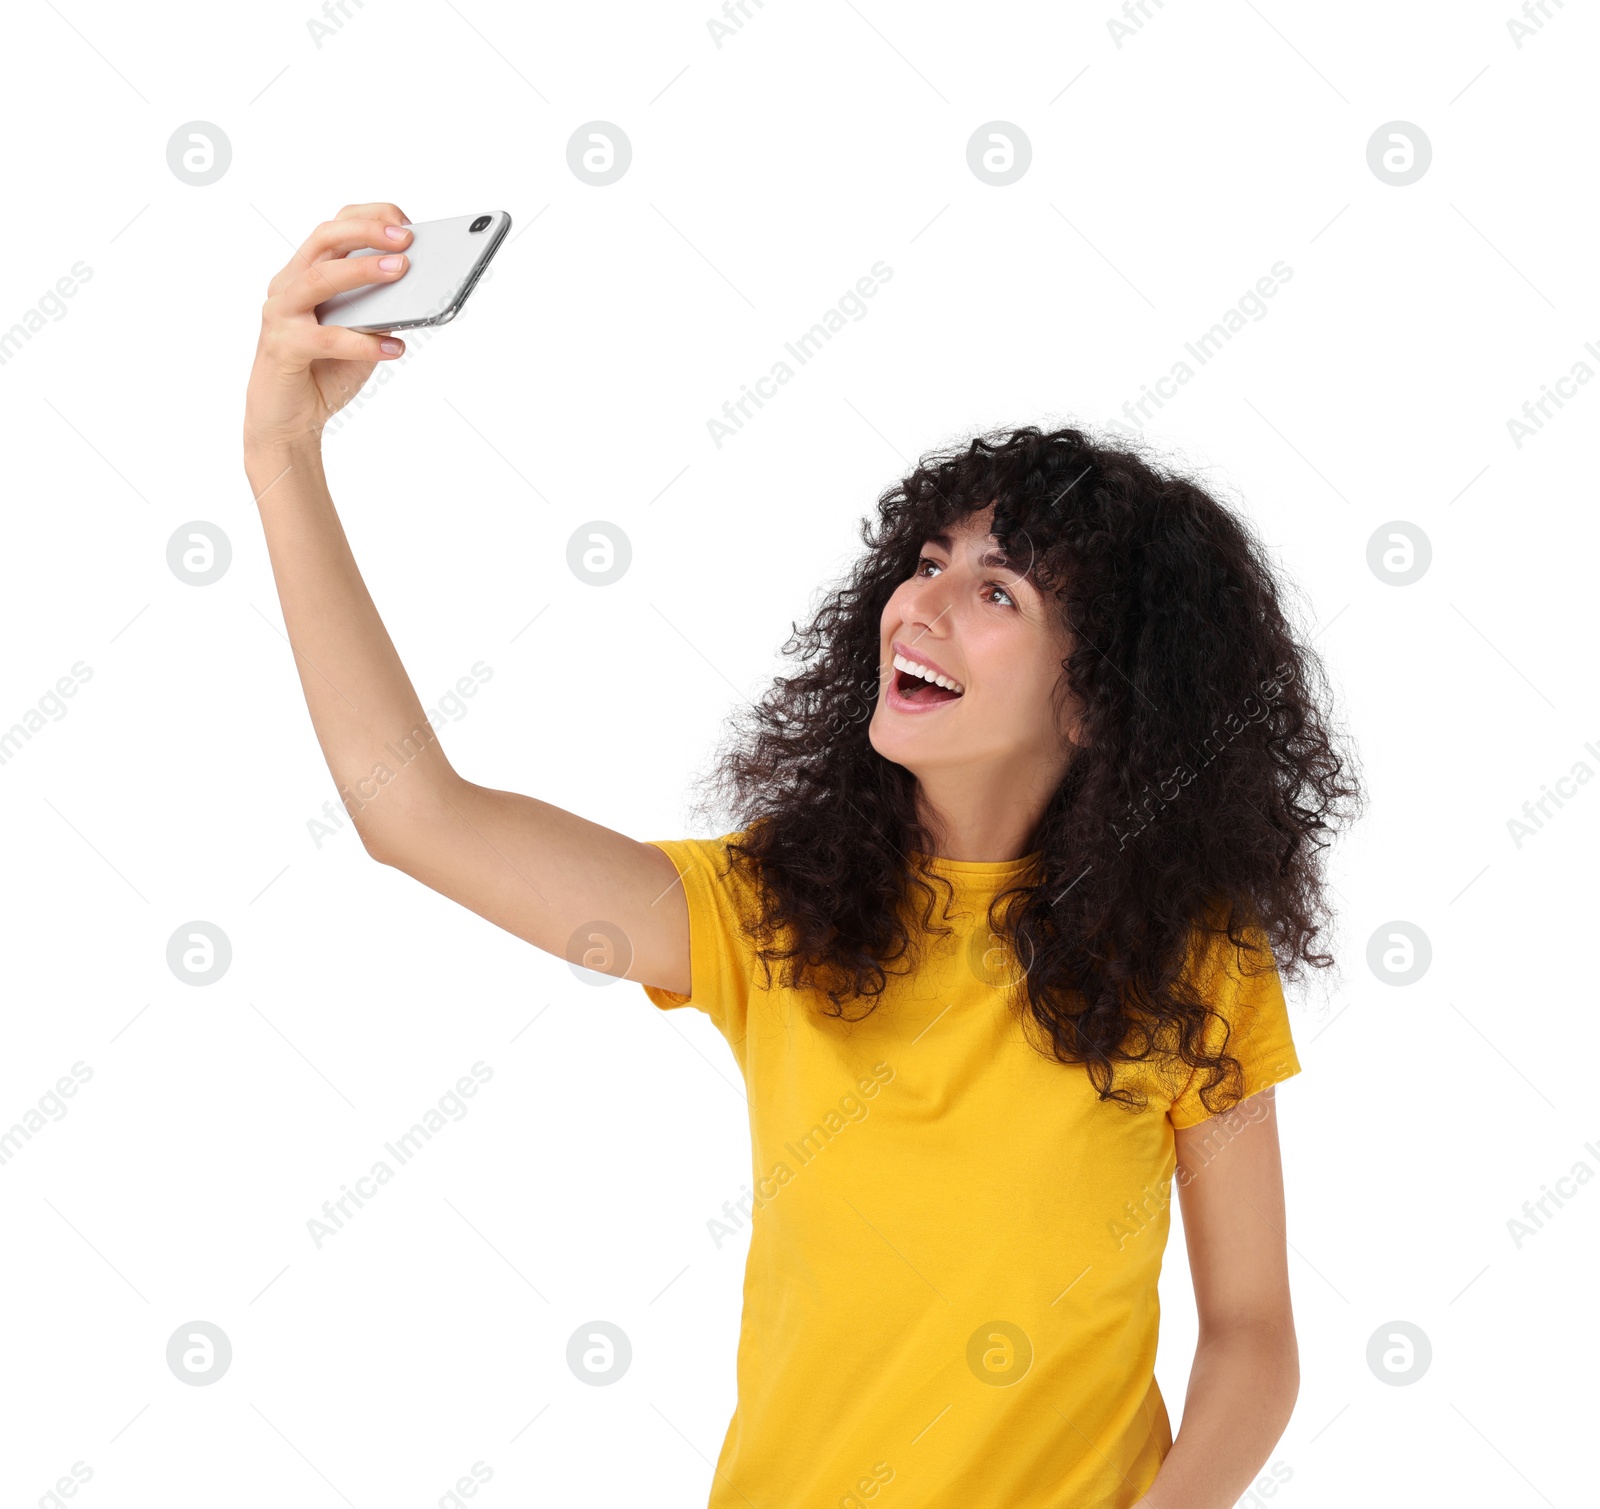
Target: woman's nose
[{"x": 929, "y": 601}]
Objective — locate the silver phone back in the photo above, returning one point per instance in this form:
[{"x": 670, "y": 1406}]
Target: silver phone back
[{"x": 447, "y": 259}]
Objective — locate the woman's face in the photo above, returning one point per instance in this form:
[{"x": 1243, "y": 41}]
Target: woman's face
[{"x": 967, "y": 614}]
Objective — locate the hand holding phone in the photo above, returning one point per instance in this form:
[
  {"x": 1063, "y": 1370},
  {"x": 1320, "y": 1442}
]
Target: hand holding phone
[
  {"x": 445, "y": 260},
  {"x": 307, "y": 369}
]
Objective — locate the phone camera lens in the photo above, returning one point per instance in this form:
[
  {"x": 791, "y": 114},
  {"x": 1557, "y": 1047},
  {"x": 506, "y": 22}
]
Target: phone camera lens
[{"x": 481, "y": 223}]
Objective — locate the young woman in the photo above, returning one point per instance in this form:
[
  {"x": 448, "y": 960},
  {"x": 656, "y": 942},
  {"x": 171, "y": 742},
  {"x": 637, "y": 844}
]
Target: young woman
[{"x": 1021, "y": 848}]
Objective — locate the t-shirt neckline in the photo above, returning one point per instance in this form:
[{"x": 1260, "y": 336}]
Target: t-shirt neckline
[{"x": 977, "y": 869}]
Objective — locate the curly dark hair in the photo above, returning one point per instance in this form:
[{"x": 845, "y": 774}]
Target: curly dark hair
[{"x": 1188, "y": 674}]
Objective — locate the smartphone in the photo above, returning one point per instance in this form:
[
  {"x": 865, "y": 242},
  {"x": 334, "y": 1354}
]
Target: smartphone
[{"x": 447, "y": 257}]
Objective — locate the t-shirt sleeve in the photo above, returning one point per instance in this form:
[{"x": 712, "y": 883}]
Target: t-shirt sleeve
[
  {"x": 1245, "y": 988},
  {"x": 721, "y": 960}
]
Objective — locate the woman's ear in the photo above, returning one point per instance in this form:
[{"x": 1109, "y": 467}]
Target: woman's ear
[
  {"x": 1069, "y": 703},
  {"x": 1069, "y": 715}
]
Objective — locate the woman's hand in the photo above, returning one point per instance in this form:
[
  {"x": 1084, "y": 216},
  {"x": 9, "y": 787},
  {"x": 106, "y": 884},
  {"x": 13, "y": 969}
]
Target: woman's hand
[{"x": 305, "y": 372}]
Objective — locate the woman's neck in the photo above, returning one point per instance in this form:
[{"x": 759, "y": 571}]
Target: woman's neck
[{"x": 980, "y": 821}]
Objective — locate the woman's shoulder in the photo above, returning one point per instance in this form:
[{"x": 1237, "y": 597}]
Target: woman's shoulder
[
  {"x": 720, "y": 873},
  {"x": 1227, "y": 943}
]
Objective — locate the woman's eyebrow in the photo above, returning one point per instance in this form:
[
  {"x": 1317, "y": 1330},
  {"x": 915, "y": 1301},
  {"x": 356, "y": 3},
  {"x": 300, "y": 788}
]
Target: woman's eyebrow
[{"x": 944, "y": 541}]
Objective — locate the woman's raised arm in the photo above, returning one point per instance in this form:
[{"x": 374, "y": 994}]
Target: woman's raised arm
[{"x": 536, "y": 870}]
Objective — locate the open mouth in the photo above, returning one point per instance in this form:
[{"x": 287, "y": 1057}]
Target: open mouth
[{"x": 915, "y": 688}]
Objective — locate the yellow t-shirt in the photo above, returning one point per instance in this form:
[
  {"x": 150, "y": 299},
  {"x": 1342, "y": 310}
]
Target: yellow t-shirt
[{"x": 950, "y": 1296}]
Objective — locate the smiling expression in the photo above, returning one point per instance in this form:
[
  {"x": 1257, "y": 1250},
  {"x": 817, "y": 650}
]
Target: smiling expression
[{"x": 966, "y": 617}]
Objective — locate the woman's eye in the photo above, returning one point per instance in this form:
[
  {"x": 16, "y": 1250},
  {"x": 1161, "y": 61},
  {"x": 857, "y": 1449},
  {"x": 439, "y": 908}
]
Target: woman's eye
[{"x": 925, "y": 561}]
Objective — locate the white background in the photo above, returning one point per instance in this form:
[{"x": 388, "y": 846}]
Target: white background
[{"x": 768, "y": 175}]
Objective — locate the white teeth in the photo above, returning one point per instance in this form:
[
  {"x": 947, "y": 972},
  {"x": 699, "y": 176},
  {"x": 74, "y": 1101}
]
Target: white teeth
[{"x": 902, "y": 664}]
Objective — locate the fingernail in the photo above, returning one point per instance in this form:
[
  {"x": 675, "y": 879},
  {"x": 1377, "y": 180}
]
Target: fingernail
[
  {"x": 388, "y": 264},
  {"x": 391, "y": 347},
  {"x": 395, "y": 232}
]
